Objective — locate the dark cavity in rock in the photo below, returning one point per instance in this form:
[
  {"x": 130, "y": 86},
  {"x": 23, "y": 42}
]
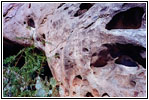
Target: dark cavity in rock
[
  {"x": 129, "y": 19},
  {"x": 105, "y": 94},
  {"x": 60, "y": 5},
  {"x": 31, "y": 23},
  {"x": 88, "y": 94},
  {"x": 79, "y": 76},
  {"x": 85, "y": 50},
  {"x": 66, "y": 8},
  {"x": 29, "y": 6},
  {"x": 46, "y": 72},
  {"x": 126, "y": 60},
  {"x": 10, "y": 48},
  {"x": 84, "y": 7},
  {"x": 125, "y": 54},
  {"x": 102, "y": 60},
  {"x": 68, "y": 64},
  {"x": 128, "y": 54}
]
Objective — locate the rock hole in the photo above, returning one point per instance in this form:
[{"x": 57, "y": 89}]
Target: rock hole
[
  {"x": 70, "y": 53},
  {"x": 74, "y": 93},
  {"x": 125, "y": 54},
  {"x": 126, "y": 60},
  {"x": 10, "y": 48},
  {"x": 29, "y": 6},
  {"x": 68, "y": 64},
  {"x": 66, "y": 8},
  {"x": 46, "y": 72},
  {"x": 79, "y": 76},
  {"x": 57, "y": 87},
  {"x": 24, "y": 22},
  {"x": 132, "y": 83},
  {"x": 94, "y": 54},
  {"x": 50, "y": 87},
  {"x": 128, "y": 54},
  {"x": 31, "y": 23},
  {"x": 129, "y": 19},
  {"x": 89, "y": 94},
  {"x": 85, "y": 50},
  {"x": 105, "y": 95},
  {"x": 83, "y": 8},
  {"x": 124, "y": 5},
  {"x": 43, "y": 36},
  {"x": 77, "y": 80},
  {"x": 57, "y": 55},
  {"x": 38, "y": 39},
  {"x": 60, "y": 5},
  {"x": 100, "y": 59}
]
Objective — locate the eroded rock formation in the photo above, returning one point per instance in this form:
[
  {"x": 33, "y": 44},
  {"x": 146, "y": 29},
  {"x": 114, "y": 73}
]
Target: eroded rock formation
[{"x": 93, "y": 49}]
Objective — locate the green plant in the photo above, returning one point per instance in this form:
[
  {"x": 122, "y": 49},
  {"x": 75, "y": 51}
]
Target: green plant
[{"x": 24, "y": 81}]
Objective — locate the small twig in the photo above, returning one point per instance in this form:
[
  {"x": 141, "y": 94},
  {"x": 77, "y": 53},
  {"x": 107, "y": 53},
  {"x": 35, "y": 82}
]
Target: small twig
[{"x": 18, "y": 59}]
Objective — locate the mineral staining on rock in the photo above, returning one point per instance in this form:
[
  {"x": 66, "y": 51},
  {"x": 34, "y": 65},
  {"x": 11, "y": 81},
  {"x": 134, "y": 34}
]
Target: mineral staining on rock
[{"x": 92, "y": 49}]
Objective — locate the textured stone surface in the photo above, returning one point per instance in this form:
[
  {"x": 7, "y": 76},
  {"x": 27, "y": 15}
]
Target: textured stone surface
[{"x": 79, "y": 48}]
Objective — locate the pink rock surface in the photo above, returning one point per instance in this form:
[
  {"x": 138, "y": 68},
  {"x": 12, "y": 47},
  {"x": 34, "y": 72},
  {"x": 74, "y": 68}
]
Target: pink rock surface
[{"x": 78, "y": 41}]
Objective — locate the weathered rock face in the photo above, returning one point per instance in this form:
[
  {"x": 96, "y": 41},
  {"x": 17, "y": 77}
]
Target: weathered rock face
[{"x": 92, "y": 49}]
